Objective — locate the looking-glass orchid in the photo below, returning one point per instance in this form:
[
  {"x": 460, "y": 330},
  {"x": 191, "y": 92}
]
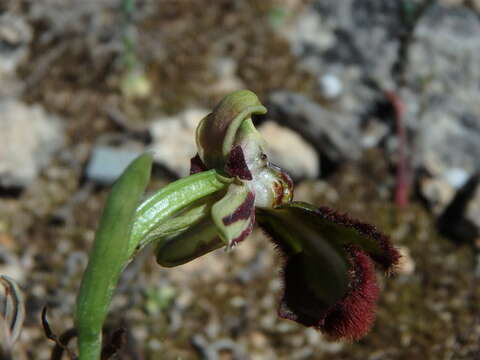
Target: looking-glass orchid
[{"x": 329, "y": 258}]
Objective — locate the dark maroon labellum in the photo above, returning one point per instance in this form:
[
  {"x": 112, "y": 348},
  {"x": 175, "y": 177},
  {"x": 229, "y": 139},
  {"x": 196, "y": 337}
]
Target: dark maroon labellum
[
  {"x": 353, "y": 316},
  {"x": 388, "y": 258},
  {"x": 349, "y": 318}
]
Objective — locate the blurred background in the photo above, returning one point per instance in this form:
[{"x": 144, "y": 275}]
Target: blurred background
[{"x": 373, "y": 108}]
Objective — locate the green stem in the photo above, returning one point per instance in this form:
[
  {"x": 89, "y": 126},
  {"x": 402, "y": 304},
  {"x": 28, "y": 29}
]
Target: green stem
[{"x": 124, "y": 229}]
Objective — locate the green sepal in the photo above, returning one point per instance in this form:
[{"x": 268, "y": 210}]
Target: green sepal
[
  {"x": 216, "y": 132},
  {"x": 234, "y": 214},
  {"x": 188, "y": 235},
  {"x": 170, "y": 201}
]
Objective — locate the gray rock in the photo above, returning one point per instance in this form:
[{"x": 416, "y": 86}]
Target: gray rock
[
  {"x": 15, "y": 36},
  {"x": 472, "y": 213},
  {"x": 442, "y": 107},
  {"x": 288, "y": 150},
  {"x": 107, "y": 163},
  {"x": 334, "y": 133},
  {"x": 28, "y": 138},
  {"x": 356, "y": 34},
  {"x": 330, "y": 86},
  {"x": 358, "y": 40},
  {"x": 174, "y": 140}
]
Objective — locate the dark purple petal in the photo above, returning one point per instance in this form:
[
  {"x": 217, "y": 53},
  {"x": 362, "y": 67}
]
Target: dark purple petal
[
  {"x": 197, "y": 165},
  {"x": 236, "y": 165}
]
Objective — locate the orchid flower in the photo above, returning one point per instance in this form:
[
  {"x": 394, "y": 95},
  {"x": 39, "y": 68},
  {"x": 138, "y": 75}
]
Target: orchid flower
[{"x": 329, "y": 258}]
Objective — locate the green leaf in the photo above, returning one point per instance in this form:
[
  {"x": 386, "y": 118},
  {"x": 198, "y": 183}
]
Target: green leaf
[
  {"x": 109, "y": 255},
  {"x": 234, "y": 214}
]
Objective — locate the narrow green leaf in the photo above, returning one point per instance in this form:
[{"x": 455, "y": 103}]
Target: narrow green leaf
[{"x": 109, "y": 255}]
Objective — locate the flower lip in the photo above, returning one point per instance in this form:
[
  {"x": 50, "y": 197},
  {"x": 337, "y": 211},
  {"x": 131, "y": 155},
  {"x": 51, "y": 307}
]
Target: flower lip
[
  {"x": 353, "y": 316},
  {"x": 309, "y": 238}
]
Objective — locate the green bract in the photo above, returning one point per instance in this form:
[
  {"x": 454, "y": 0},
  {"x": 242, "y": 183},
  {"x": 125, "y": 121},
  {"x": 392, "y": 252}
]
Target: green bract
[{"x": 328, "y": 275}]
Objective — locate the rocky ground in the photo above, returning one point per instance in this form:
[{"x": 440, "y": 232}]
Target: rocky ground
[{"x": 373, "y": 108}]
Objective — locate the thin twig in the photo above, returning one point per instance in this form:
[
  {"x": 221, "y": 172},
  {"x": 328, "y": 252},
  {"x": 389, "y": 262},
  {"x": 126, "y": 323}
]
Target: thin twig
[
  {"x": 60, "y": 343},
  {"x": 402, "y": 187}
]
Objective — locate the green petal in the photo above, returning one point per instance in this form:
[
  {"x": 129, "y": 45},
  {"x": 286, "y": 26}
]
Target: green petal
[
  {"x": 234, "y": 214},
  {"x": 216, "y": 132}
]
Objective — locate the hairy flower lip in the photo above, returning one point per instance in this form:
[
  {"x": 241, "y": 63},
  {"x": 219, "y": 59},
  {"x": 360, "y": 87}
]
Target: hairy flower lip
[
  {"x": 350, "y": 318},
  {"x": 353, "y": 316},
  {"x": 329, "y": 267},
  {"x": 390, "y": 256},
  {"x": 346, "y": 317}
]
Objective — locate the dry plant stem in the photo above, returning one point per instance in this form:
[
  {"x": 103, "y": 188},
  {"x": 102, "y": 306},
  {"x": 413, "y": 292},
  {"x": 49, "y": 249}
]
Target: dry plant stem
[{"x": 402, "y": 187}]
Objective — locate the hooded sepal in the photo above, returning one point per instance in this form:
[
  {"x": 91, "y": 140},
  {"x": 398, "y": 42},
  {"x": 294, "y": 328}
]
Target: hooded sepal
[
  {"x": 234, "y": 214},
  {"x": 216, "y": 132}
]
